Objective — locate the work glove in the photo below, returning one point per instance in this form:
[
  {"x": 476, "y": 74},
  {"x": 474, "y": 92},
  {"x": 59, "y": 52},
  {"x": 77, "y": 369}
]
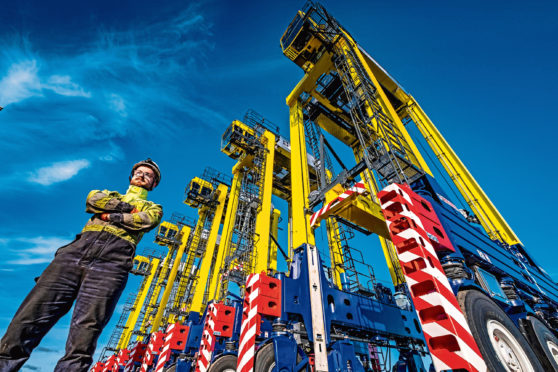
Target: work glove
[{"x": 112, "y": 217}]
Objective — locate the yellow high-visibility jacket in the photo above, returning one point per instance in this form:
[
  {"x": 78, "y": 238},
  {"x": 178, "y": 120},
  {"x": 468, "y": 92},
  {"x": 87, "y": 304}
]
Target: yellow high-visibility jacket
[{"x": 133, "y": 225}]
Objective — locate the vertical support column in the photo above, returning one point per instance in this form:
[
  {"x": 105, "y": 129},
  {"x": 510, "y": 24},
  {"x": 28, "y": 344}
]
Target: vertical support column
[
  {"x": 300, "y": 181},
  {"x": 226, "y": 234},
  {"x": 335, "y": 252},
  {"x": 152, "y": 304},
  {"x": 205, "y": 268},
  {"x": 184, "y": 237},
  {"x": 275, "y": 216},
  {"x": 263, "y": 217},
  {"x": 191, "y": 256},
  {"x": 133, "y": 317},
  {"x": 317, "y": 305}
]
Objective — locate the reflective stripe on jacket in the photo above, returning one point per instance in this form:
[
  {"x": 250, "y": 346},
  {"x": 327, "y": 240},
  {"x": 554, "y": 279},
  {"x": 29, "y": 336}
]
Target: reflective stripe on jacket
[{"x": 133, "y": 225}]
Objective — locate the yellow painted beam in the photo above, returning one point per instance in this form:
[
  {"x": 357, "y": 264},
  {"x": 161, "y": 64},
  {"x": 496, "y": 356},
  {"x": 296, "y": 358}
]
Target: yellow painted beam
[
  {"x": 275, "y": 216},
  {"x": 138, "y": 305},
  {"x": 490, "y": 218},
  {"x": 152, "y": 304},
  {"x": 184, "y": 238},
  {"x": 300, "y": 181},
  {"x": 263, "y": 217},
  {"x": 226, "y": 235},
  {"x": 335, "y": 252},
  {"x": 197, "y": 304},
  {"x": 187, "y": 268}
]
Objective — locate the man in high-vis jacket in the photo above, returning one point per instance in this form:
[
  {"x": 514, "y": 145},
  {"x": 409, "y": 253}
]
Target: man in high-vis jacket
[{"x": 92, "y": 271}]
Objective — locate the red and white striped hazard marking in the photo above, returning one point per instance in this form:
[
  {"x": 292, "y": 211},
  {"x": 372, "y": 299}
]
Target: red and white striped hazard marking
[
  {"x": 447, "y": 334},
  {"x": 111, "y": 364},
  {"x": 166, "y": 352},
  {"x": 248, "y": 329},
  {"x": 153, "y": 349},
  {"x": 136, "y": 355},
  {"x": 358, "y": 188},
  {"x": 208, "y": 340}
]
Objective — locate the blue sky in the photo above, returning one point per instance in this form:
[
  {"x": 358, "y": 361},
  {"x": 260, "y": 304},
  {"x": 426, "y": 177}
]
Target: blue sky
[{"x": 90, "y": 88}]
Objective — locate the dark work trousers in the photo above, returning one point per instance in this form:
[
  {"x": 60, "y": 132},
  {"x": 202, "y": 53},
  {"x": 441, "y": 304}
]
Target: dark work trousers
[{"x": 92, "y": 270}]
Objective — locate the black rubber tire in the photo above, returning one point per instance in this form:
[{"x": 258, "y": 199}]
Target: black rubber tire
[
  {"x": 265, "y": 359},
  {"x": 479, "y": 310},
  {"x": 224, "y": 363},
  {"x": 540, "y": 336}
]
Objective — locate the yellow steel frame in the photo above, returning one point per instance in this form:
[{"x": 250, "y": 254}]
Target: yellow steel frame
[
  {"x": 226, "y": 235},
  {"x": 263, "y": 218},
  {"x": 184, "y": 238},
  {"x": 491, "y": 220},
  {"x": 205, "y": 267},
  {"x": 138, "y": 305},
  {"x": 300, "y": 221},
  {"x": 190, "y": 257},
  {"x": 152, "y": 303},
  {"x": 335, "y": 252},
  {"x": 275, "y": 216}
]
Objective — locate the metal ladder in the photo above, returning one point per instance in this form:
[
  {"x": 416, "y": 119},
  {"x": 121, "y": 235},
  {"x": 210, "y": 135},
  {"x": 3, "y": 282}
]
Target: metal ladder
[{"x": 385, "y": 149}]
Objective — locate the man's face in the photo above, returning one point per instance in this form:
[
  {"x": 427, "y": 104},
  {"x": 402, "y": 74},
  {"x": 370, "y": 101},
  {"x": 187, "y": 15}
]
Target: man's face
[{"x": 143, "y": 177}]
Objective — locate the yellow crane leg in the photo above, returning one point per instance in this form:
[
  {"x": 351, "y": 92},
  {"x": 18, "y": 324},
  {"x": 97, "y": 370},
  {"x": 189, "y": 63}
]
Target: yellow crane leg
[
  {"x": 226, "y": 234},
  {"x": 190, "y": 257},
  {"x": 275, "y": 216},
  {"x": 491, "y": 220},
  {"x": 263, "y": 218},
  {"x": 152, "y": 304},
  {"x": 133, "y": 317},
  {"x": 300, "y": 181},
  {"x": 205, "y": 267},
  {"x": 335, "y": 252},
  {"x": 184, "y": 237},
  {"x": 388, "y": 106}
]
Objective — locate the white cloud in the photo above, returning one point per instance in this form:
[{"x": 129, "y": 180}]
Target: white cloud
[
  {"x": 63, "y": 85},
  {"x": 117, "y": 103},
  {"x": 21, "y": 82},
  {"x": 34, "y": 250},
  {"x": 58, "y": 172}
]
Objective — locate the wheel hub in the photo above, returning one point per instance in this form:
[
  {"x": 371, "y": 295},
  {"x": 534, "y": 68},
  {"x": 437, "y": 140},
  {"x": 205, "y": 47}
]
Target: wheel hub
[
  {"x": 553, "y": 350},
  {"x": 508, "y": 350}
]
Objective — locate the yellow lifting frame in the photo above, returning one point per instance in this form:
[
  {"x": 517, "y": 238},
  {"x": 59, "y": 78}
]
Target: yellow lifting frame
[
  {"x": 184, "y": 237},
  {"x": 263, "y": 218},
  {"x": 226, "y": 234},
  {"x": 205, "y": 267},
  {"x": 388, "y": 248},
  {"x": 491, "y": 220},
  {"x": 300, "y": 181},
  {"x": 138, "y": 305}
]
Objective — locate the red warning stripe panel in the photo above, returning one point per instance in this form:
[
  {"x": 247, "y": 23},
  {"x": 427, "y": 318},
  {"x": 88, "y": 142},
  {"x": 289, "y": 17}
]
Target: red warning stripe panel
[
  {"x": 208, "y": 340},
  {"x": 358, "y": 188},
  {"x": 262, "y": 298},
  {"x": 136, "y": 355},
  {"x": 122, "y": 357},
  {"x": 110, "y": 364},
  {"x": 175, "y": 339},
  {"x": 97, "y": 367},
  {"x": 153, "y": 348},
  {"x": 417, "y": 235}
]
